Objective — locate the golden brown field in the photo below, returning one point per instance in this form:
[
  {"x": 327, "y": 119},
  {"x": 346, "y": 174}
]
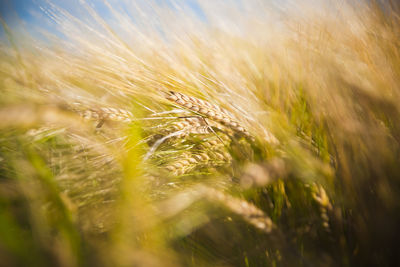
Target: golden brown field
[{"x": 250, "y": 134}]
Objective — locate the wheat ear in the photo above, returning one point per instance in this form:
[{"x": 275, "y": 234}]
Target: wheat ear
[
  {"x": 103, "y": 113},
  {"x": 188, "y": 126},
  {"x": 246, "y": 210},
  {"x": 208, "y": 110},
  {"x": 321, "y": 197},
  {"x": 189, "y": 161}
]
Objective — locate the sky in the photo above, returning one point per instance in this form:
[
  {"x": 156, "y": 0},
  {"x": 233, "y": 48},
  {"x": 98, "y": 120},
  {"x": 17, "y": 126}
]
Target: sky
[
  {"x": 31, "y": 14},
  {"x": 29, "y": 10}
]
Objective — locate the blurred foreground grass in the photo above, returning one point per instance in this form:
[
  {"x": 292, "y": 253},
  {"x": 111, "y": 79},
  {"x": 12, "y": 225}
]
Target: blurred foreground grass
[{"x": 104, "y": 163}]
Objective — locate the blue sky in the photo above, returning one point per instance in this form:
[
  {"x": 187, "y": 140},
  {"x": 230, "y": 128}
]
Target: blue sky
[
  {"x": 28, "y": 10},
  {"x": 29, "y": 14}
]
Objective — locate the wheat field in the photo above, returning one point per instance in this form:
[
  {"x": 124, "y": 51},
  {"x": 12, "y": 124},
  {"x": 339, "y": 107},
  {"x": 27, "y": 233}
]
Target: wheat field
[{"x": 232, "y": 133}]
